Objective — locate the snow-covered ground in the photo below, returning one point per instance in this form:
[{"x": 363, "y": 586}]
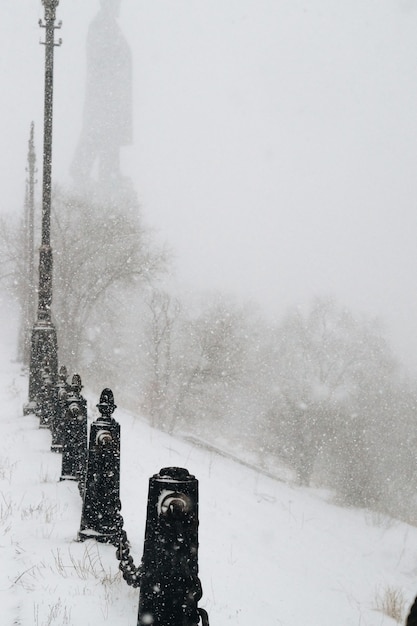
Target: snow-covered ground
[{"x": 269, "y": 553}]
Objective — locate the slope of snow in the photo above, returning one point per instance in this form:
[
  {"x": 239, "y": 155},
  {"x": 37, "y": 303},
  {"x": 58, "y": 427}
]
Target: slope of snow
[{"x": 269, "y": 553}]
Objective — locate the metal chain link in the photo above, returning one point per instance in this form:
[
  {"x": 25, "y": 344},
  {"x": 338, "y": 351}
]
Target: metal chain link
[
  {"x": 130, "y": 572},
  {"x": 133, "y": 575},
  {"x": 194, "y": 584},
  {"x": 81, "y": 488},
  {"x": 204, "y": 617}
]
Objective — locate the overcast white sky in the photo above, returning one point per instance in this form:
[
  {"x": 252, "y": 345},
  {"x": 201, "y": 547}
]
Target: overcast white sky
[{"x": 275, "y": 140}]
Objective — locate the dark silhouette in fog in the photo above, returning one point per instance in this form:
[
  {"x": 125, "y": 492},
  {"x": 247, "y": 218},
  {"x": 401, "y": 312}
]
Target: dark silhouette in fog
[{"x": 107, "y": 121}]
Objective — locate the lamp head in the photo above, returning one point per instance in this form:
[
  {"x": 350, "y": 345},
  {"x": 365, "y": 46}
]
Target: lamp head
[{"x": 50, "y": 6}]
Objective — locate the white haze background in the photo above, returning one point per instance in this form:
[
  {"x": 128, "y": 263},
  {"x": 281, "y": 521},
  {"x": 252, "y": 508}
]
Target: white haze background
[
  {"x": 275, "y": 150},
  {"x": 275, "y": 143}
]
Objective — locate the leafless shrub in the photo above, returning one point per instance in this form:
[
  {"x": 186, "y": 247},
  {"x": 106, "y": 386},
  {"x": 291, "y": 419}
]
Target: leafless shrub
[
  {"x": 391, "y": 602},
  {"x": 58, "y": 614},
  {"x": 6, "y": 507},
  {"x": 90, "y": 565},
  {"x": 7, "y": 469},
  {"x": 43, "y": 509}
]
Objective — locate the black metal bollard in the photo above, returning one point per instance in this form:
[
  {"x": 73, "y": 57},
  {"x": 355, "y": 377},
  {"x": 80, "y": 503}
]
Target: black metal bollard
[
  {"x": 101, "y": 519},
  {"x": 412, "y": 616},
  {"x": 74, "y": 446},
  {"x": 170, "y": 588},
  {"x": 60, "y": 404},
  {"x": 46, "y": 401}
]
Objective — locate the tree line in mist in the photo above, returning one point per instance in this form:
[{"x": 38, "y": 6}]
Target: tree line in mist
[{"x": 317, "y": 397}]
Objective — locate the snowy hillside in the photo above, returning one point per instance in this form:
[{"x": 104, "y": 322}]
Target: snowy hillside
[{"x": 269, "y": 553}]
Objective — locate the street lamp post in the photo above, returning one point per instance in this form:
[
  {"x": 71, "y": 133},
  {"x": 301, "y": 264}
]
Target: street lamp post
[
  {"x": 29, "y": 310},
  {"x": 44, "y": 346}
]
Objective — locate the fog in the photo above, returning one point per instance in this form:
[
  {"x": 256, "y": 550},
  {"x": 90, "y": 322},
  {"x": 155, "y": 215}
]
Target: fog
[{"x": 274, "y": 142}]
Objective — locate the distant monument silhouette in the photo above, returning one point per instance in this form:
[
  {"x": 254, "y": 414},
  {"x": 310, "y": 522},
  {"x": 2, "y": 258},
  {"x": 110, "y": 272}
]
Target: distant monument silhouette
[{"x": 107, "y": 121}]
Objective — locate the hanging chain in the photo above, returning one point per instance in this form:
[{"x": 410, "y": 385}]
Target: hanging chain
[
  {"x": 133, "y": 575},
  {"x": 194, "y": 589},
  {"x": 130, "y": 572},
  {"x": 204, "y": 617}
]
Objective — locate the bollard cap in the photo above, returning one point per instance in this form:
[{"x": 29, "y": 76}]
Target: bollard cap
[
  {"x": 106, "y": 404},
  {"x": 174, "y": 473},
  {"x": 63, "y": 373},
  {"x": 76, "y": 383}
]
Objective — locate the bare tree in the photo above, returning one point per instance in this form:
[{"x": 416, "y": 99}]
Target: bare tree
[
  {"x": 14, "y": 274},
  {"x": 163, "y": 314},
  {"x": 327, "y": 365},
  {"x": 101, "y": 250},
  {"x": 208, "y": 362}
]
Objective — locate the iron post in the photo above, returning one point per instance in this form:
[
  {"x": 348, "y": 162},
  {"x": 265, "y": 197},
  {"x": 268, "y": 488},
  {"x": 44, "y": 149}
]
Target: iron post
[
  {"x": 100, "y": 518},
  {"x": 44, "y": 339},
  {"x": 60, "y": 397},
  {"x": 46, "y": 404},
  {"x": 170, "y": 588},
  {"x": 30, "y": 292},
  {"x": 74, "y": 447}
]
